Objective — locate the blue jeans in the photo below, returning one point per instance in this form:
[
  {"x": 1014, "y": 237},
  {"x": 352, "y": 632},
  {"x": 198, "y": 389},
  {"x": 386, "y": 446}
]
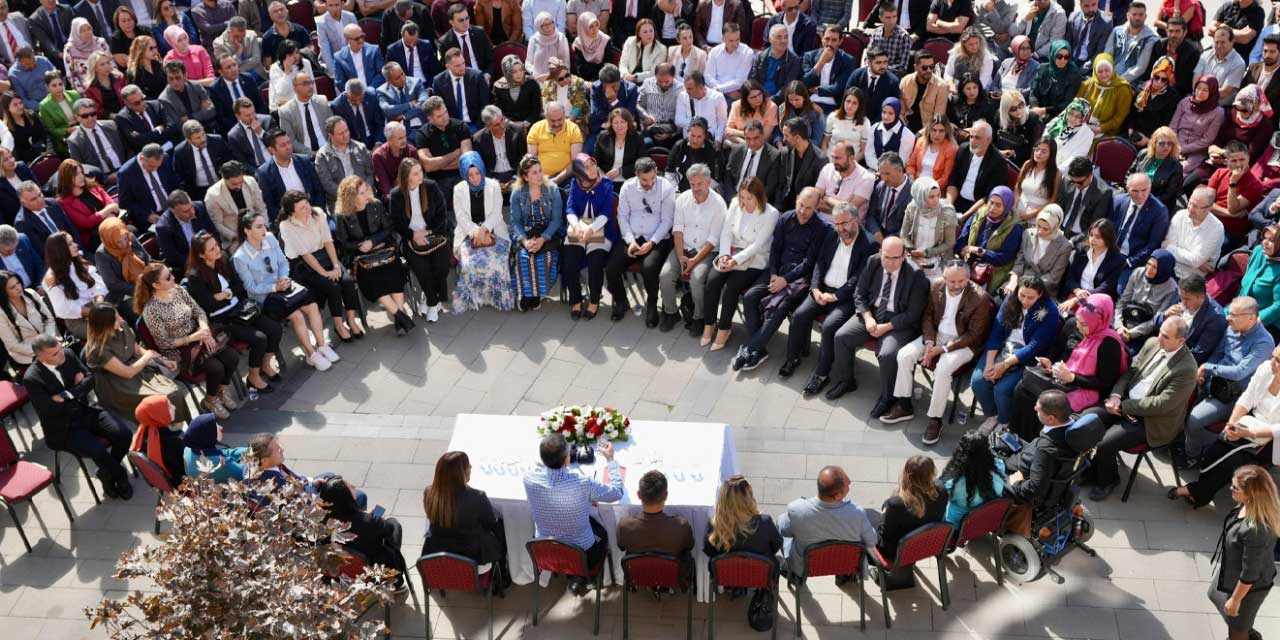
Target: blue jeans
[{"x": 996, "y": 398}]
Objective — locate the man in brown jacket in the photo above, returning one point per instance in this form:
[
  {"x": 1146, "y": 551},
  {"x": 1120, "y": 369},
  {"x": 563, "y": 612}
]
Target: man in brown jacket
[
  {"x": 956, "y": 322},
  {"x": 655, "y": 530},
  {"x": 1148, "y": 404},
  {"x": 926, "y": 87}
]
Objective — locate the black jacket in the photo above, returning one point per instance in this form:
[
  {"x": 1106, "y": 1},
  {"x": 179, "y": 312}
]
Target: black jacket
[
  {"x": 1039, "y": 462},
  {"x": 224, "y": 101},
  {"x": 527, "y": 105},
  {"x": 476, "y": 532},
  {"x": 185, "y": 164},
  {"x": 480, "y": 47},
  {"x": 911, "y": 294},
  {"x": 764, "y": 540},
  {"x": 606, "y": 153},
  {"x": 202, "y": 293},
  {"x": 887, "y": 223},
  {"x": 434, "y": 213},
  {"x": 474, "y": 90},
  {"x": 60, "y": 418},
  {"x": 516, "y": 142},
  {"x": 810, "y": 165},
  {"x": 864, "y": 246},
  {"x": 1097, "y": 204},
  {"x": 898, "y": 521},
  {"x": 350, "y": 233},
  {"x": 1166, "y": 186},
  {"x": 135, "y": 132},
  {"x": 767, "y": 169},
  {"x": 993, "y": 172},
  {"x": 174, "y": 247},
  {"x": 1108, "y": 274},
  {"x": 682, "y": 157}
]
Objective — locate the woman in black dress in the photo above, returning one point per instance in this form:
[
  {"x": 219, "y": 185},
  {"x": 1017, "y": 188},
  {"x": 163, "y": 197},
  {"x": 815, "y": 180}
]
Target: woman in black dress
[
  {"x": 417, "y": 211},
  {"x": 461, "y": 520},
  {"x": 29, "y": 136},
  {"x": 969, "y": 104},
  {"x": 517, "y": 93},
  {"x": 738, "y": 524},
  {"x": 144, "y": 67},
  {"x": 366, "y": 241},
  {"x": 126, "y": 30},
  {"x": 917, "y": 502}
]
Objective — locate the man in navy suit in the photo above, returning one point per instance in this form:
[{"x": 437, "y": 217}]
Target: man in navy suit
[
  {"x": 98, "y": 13},
  {"x": 145, "y": 182},
  {"x": 40, "y": 217},
  {"x": 8, "y": 193},
  {"x": 826, "y": 70},
  {"x": 285, "y": 171},
  {"x": 424, "y": 64},
  {"x": 1141, "y": 222},
  {"x": 887, "y": 207},
  {"x": 460, "y": 80},
  {"x": 804, "y": 32},
  {"x": 364, "y": 116},
  {"x": 142, "y": 121},
  {"x": 178, "y": 225},
  {"x": 875, "y": 80},
  {"x": 245, "y": 137},
  {"x": 232, "y": 84},
  {"x": 344, "y": 61},
  {"x": 198, "y": 158},
  {"x": 20, "y": 257}
]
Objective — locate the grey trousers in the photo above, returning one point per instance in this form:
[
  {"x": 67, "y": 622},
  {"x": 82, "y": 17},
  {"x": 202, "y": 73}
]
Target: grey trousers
[
  {"x": 850, "y": 337},
  {"x": 1205, "y": 414},
  {"x": 670, "y": 274}
]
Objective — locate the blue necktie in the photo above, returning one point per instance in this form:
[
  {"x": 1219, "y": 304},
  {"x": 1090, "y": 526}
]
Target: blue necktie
[{"x": 457, "y": 97}]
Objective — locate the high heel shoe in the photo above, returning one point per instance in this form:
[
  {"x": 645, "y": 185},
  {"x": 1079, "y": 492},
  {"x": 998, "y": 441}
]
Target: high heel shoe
[
  {"x": 716, "y": 346},
  {"x": 706, "y": 340}
]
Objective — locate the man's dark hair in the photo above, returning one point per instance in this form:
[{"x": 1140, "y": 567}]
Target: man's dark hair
[
  {"x": 175, "y": 66},
  {"x": 798, "y": 127},
  {"x": 455, "y": 9},
  {"x": 179, "y": 198},
  {"x": 886, "y": 6},
  {"x": 1193, "y": 284},
  {"x": 754, "y": 125},
  {"x": 697, "y": 77},
  {"x": 1178, "y": 20},
  {"x": 231, "y": 169},
  {"x": 1079, "y": 167},
  {"x": 1138, "y": 4},
  {"x": 700, "y": 122},
  {"x": 830, "y": 482},
  {"x": 241, "y": 103},
  {"x": 663, "y": 68},
  {"x": 453, "y": 52},
  {"x": 1054, "y": 403},
  {"x": 876, "y": 52},
  {"x": 1236, "y": 146},
  {"x": 832, "y": 27},
  {"x": 922, "y": 54},
  {"x": 410, "y": 28},
  {"x": 553, "y": 448},
  {"x": 273, "y": 135},
  {"x": 610, "y": 74},
  {"x": 1272, "y": 38},
  {"x": 730, "y": 27},
  {"x": 891, "y": 157},
  {"x": 653, "y": 487}
]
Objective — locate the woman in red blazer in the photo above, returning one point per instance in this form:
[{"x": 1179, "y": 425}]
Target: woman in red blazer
[
  {"x": 935, "y": 151},
  {"x": 85, "y": 202},
  {"x": 105, "y": 86}
]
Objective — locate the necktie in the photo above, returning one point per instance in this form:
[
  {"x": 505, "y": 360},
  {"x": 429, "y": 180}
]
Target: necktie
[
  {"x": 457, "y": 97},
  {"x": 235, "y": 89},
  {"x": 872, "y": 88},
  {"x": 147, "y": 119},
  {"x": 12, "y": 42},
  {"x": 1075, "y": 211},
  {"x": 752, "y": 158},
  {"x": 311, "y": 127},
  {"x": 408, "y": 59},
  {"x": 466, "y": 51},
  {"x": 359, "y": 125},
  {"x": 48, "y": 222},
  {"x": 96, "y": 134},
  {"x": 1127, "y": 225},
  {"x": 57, "y": 29},
  {"x": 884, "y": 290},
  {"x": 157, "y": 191},
  {"x": 1082, "y": 52},
  {"x": 203, "y": 154},
  {"x": 888, "y": 203},
  {"x": 255, "y": 143}
]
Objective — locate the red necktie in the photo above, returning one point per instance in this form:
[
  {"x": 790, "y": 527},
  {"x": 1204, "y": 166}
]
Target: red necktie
[
  {"x": 466, "y": 51},
  {"x": 13, "y": 42}
]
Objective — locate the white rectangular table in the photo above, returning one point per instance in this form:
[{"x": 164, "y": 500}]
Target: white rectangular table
[{"x": 695, "y": 456}]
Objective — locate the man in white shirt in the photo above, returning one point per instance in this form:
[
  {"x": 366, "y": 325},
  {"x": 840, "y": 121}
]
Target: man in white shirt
[
  {"x": 329, "y": 30},
  {"x": 1195, "y": 236},
  {"x": 729, "y": 63},
  {"x": 303, "y": 116},
  {"x": 143, "y": 10},
  {"x": 956, "y": 322},
  {"x": 646, "y": 214},
  {"x": 701, "y": 100},
  {"x": 843, "y": 180},
  {"x": 700, "y": 213},
  {"x": 96, "y": 144},
  {"x": 14, "y": 34}
]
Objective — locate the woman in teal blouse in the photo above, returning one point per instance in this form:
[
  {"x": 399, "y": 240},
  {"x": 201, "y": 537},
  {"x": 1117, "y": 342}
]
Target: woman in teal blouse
[
  {"x": 1262, "y": 279},
  {"x": 200, "y": 440}
]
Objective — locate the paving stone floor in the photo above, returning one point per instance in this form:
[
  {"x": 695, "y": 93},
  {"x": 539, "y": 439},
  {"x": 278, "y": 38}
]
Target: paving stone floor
[{"x": 383, "y": 415}]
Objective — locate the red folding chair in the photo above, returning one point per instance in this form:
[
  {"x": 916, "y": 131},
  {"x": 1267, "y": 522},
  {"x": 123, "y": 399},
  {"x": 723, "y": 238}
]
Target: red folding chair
[
  {"x": 741, "y": 570},
  {"x": 191, "y": 380},
  {"x": 757, "y": 32},
  {"x": 155, "y": 476},
  {"x": 13, "y": 397},
  {"x": 303, "y": 13},
  {"x": 558, "y": 557},
  {"x": 44, "y": 167},
  {"x": 928, "y": 541},
  {"x": 452, "y": 572},
  {"x": 372, "y": 28},
  {"x": 151, "y": 245},
  {"x": 940, "y": 48},
  {"x": 854, "y": 43},
  {"x": 1014, "y": 172},
  {"x": 20, "y": 481},
  {"x": 986, "y": 520},
  {"x": 1113, "y": 156},
  {"x": 833, "y": 558},
  {"x": 659, "y": 158},
  {"x": 1143, "y": 452},
  {"x": 352, "y": 566},
  {"x": 508, "y": 49},
  {"x": 654, "y": 571},
  {"x": 325, "y": 87}
]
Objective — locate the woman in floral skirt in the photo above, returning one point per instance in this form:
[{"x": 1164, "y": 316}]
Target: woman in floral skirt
[{"x": 481, "y": 242}]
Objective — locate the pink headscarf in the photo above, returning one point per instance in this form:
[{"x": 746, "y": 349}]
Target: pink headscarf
[
  {"x": 1095, "y": 314},
  {"x": 172, "y": 33}
]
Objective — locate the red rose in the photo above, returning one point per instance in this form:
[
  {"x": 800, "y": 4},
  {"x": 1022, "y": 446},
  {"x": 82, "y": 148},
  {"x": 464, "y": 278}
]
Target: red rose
[
  {"x": 570, "y": 421},
  {"x": 626, "y": 422}
]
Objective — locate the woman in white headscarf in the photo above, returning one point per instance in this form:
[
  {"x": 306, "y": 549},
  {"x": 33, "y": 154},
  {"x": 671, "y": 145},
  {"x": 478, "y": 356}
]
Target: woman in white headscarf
[
  {"x": 75, "y": 56},
  {"x": 545, "y": 44},
  {"x": 1045, "y": 252},
  {"x": 929, "y": 226}
]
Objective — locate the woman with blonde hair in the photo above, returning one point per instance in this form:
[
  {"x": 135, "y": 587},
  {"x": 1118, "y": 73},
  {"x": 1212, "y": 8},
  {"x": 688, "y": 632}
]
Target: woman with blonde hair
[
  {"x": 935, "y": 152},
  {"x": 969, "y": 55},
  {"x": 537, "y": 216},
  {"x": 145, "y": 69},
  {"x": 1243, "y": 563},
  {"x": 738, "y": 524},
  {"x": 917, "y": 501},
  {"x": 1160, "y": 161},
  {"x": 366, "y": 243},
  {"x": 85, "y": 202},
  {"x": 1019, "y": 128},
  {"x": 81, "y": 44},
  {"x": 104, "y": 85}
]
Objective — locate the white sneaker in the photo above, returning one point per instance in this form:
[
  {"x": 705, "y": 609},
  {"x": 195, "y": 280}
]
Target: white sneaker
[
  {"x": 328, "y": 353},
  {"x": 433, "y": 313},
  {"x": 317, "y": 360}
]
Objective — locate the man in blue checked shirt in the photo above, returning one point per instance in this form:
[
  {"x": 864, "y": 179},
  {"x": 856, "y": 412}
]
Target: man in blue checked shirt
[{"x": 561, "y": 500}]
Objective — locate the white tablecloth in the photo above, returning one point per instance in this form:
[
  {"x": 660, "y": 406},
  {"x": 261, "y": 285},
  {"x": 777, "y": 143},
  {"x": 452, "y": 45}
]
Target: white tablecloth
[{"x": 695, "y": 456}]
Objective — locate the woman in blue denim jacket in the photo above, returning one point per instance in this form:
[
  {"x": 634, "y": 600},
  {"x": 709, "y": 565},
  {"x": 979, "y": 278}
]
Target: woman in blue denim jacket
[
  {"x": 536, "y": 221},
  {"x": 261, "y": 264},
  {"x": 1025, "y": 329}
]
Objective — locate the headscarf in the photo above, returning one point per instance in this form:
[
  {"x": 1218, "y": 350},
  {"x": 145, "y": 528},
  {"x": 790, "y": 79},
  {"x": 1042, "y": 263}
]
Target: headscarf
[
  {"x": 1052, "y": 214},
  {"x": 201, "y": 435},
  {"x": 543, "y": 47},
  {"x": 580, "y": 168},
  {"x": 920, "y": 195},
  {"x": 1164, "y": 266},
  {"x": 1006, "y": 196},
  {"x": 508, "y": 81},
  {"x": 592, "y": 48},
  {"x": 1018, "y": 63},
  {"x": 1110, "y": 61},
  {"x": 1061, "y": 129},
  {"x": 465, "y": 162},
  {"x": 1054, "y": 48},
  {"x": 1212, "y": 102},
  {"x": 1163, "y": 68},
  {"x": 889, "y": 132},
  {"x": 153, "y": 414},
  {"x": 110, "y": 231},
  {"x": 171, "y": 34},
  {"x": 81, "y": 48},
  {"x": 1095, "y": 313},
  {"x": 554, "y": 66},
  {"x": 1255, "y": 102}
]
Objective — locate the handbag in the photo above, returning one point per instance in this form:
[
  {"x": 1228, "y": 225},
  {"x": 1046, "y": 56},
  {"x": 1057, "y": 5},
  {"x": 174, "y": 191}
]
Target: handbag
[
  {"x": 279, "y": 305},
  {"x": 192, "y": 356},
  {"x": 375, "y": 259},
  {"x": 433, "y": 242},
  {"x": 1036, "y": 381},
  {"x": 248, "y": 312},
  {"x": 761, "y": 610},
  {"x": 1136, "y": 313},
  {"x": 981, "y": 273},
  {"x": 1221, "y": 389}
]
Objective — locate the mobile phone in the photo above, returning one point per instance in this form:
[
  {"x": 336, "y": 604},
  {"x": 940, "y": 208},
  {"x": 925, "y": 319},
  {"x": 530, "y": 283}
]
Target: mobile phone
[
  {"x": 605, "y": 479},
  {"x": 1011, "y": 441},
  {"x": 378, "y": 510}
]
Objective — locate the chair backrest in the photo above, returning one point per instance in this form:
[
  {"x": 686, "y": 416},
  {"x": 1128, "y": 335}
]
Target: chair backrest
[
  {"x": 510, "y": 48},
  {"x": 372, "y": 28},
  {"x": 854, "y": 44},
  {"x": 449, "y": 571},
  {"x": 1113, "y": 157},
  {"x": 651, "y": 569},
  {"x": 757, "y": 32},
  {"x": 865, "y": 7},
  {"x": 833, "y": 558},
  {"x": 987, "y": 518},
  {"x": 660, "y": 159},
  {"x": 303, "y": 13},
  {"x": 152, "y": 246},
  {"x": 741, "y": 569},
  {"x": 44, "y": 167},
  {"x": 324, "y": 86},
  {"x": 927, "y": 541},
  {"x": 143, "y": 333},
  {"x": 8, "y": 452},
  {"x": 353, "y": 563},
  {"x": 940, "y": 48},
  {"x": 154, "y": 475},
  {"x": 550, "y": 554},
  {"x": 1014, "y": 170}
]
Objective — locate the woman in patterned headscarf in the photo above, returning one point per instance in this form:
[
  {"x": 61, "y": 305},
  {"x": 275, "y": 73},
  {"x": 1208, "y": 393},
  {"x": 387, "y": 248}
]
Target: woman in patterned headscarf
[
  {"x": 1153, "y": 107},
  {"x": 517, "y": 93},
  {"x": 1057, "y": 81},
  {"x": 1072, "y": 132},
  {"x": 81, "y": 44}
]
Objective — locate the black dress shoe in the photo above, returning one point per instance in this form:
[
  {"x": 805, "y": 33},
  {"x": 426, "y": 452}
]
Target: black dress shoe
[
  {"x": 695, "y": 328},
  {"x": 124, "y": 489},
  {"x": 669, "y": 321},
  {"x": 618, "y": 313},
  {"x": 838, "y": 389},
  {"x": 651, "y": 316},
  {"x": 588, "y": 314},
  {"x": 789, "y": 367},
  {"x": 575, "y": 313},
  {"x": 815, "y": 385},
  {"x": 881, "y": 408}
]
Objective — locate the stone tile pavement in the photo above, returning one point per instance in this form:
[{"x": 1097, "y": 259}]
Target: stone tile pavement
[{"x": 383, "y": 415}]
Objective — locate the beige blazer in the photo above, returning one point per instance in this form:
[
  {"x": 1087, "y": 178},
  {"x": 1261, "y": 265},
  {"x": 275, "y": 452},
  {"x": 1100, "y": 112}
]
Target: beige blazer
[{"x": 222, "y": 208}]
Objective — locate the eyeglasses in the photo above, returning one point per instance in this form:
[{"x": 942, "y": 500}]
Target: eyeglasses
[
  {"x": 1017, "y": 107},
  {"x": 1160, "y": 78},
  {"x": 87, "y": 116},
  {"x": 927, "y": 68},
  {"x": 563, "y": 79},
  {"x": 1062, "y": 56}
]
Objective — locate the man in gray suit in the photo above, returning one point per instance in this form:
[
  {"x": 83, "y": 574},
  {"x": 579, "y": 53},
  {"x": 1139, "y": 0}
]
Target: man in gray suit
[
  {"x": 13, "y": 31},
  {"x": 1053, "y": 26},
  {"x": 303, "y": 117},
  {"x": 339, "y": 153},
  {"x": 96, "y": 145},
  {"x": 183, "y": 99}
]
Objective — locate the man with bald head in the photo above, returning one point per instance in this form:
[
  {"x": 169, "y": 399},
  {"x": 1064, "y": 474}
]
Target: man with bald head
[
  {"x": 889, "y": 303},
  {"x": 826, "y": 516},
  {"x": 357, "y": 59},
  {"x": 978, "y": 170},
  {"x": 1141, "y": 221}
]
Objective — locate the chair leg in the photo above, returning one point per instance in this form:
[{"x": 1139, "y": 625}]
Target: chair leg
[
  {"x": 942, "y": 581},
  {"x": 17, "y": 523},
  {"x": 537, "y": 579},
  {"x": 159, "y": 497},
  {"x": 1148, "y": 455},
  {"x": 798, "y": 588},
  {"x": 862, "y": 599},
  {"x": 711, "y": 613},
  {"x": 426, "y": 612},
  {"x": 83, "y": 469},
  {"x": 626, "y": 611},
  {"x": 884, "y": 597},
  {"x": 777, "y": 593},
  {"x": 488, "y": 596},
  {"x": 66, "y": 506},
  {"x": 1133, "y": 475},
  {"x": 688, "y": 618},
  {"x": 595, "y": 628}
]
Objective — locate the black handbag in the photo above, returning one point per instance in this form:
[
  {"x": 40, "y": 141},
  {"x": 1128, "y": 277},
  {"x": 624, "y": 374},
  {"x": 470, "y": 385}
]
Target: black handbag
[
  {"x": 1036, "y": 381},
  {"x": 1221, "y": 389},
  {"x": 375, "y": 259},
  {"x": 279, "y": 305},
  {"x": 1136, "y": 313},
  {"x": 247, "y": 312},
  {"x": 761, "y": 610}
]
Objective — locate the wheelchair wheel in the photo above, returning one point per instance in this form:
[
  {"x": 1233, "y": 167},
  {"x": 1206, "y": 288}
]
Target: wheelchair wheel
[{"x": 1021, "y": 559}]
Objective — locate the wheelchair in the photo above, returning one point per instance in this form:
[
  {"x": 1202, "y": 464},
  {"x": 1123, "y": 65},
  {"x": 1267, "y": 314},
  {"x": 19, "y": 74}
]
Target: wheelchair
[{"x": 1060, "y": 522}]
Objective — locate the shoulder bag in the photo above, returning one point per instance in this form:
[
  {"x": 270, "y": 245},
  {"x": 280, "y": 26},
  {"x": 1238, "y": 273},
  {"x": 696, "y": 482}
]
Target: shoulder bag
[{"x": 375, "y": 259}]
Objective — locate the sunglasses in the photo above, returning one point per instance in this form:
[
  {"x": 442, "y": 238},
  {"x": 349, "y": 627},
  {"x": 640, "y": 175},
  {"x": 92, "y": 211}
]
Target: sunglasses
[
  {"x": 87, "y": 116},
  {"x": 927, "y": 68},
  {"x": 1062, "y": 56},
  {"x": 267, "y": 262}
]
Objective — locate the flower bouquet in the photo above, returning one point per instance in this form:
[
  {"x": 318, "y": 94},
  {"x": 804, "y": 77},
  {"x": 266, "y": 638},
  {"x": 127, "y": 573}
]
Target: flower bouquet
[{"x": 582, "y": 426}]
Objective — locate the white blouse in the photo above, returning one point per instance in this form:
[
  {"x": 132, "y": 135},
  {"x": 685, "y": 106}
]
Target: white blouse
[
  {"x": 1264, "y": 408},
  {"x": 1091, "y": 270},
  {"x": 462, "y": 208},
  {"x": 69, "y": 308},
  {"x": 280, "y": 89},
  {"x": 1032, "y": 193},
  {"x": 751, "y": 234}
]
